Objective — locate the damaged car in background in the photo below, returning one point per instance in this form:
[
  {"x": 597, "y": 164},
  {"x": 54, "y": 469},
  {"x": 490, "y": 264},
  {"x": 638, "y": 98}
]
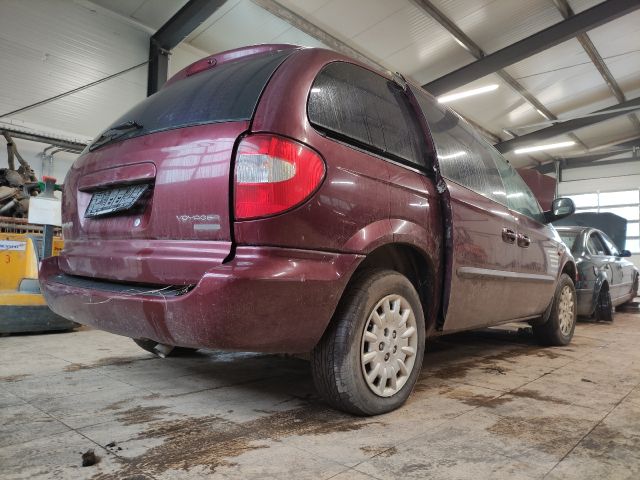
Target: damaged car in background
[
  {"x": 284, "y": 199},
  {"x": 605, "y": 278}
]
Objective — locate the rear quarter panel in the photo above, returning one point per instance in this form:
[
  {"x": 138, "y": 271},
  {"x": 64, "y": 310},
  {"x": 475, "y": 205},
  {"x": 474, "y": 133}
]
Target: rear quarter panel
[{"x": 350, "y": 210}]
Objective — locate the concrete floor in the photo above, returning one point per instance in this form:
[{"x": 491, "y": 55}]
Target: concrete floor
[{"x": 489, "y": 404}]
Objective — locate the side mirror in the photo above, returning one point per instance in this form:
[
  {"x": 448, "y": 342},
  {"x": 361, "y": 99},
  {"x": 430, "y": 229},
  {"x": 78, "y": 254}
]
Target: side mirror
[
  {"x": 624, "y": 253},
  {"x": 560, "y": 208}
]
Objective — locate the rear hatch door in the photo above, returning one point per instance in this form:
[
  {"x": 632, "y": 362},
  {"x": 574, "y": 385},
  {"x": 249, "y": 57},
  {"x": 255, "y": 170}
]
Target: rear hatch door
[{"x": 157, "y": 181}]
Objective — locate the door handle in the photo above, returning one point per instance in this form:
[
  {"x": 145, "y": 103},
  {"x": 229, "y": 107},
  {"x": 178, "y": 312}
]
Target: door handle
[
  {"x": 509, "y": 235},
  {"x": 523, "y": 240}
]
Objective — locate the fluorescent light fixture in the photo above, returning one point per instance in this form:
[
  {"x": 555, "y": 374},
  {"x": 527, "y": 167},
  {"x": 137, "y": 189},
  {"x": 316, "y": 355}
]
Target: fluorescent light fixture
[
  {"x": 452, "y": 155},
  {"x": 467, "y": 93},
  {"x": 548, "y": 146}
]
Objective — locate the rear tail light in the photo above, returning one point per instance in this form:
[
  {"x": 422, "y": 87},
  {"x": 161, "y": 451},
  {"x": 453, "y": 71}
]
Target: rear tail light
[{"x": 274, "y": 174}]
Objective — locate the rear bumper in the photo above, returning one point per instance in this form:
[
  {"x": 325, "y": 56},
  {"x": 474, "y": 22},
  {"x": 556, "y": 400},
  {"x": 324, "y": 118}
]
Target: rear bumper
[{"x": 265, "y": 299}]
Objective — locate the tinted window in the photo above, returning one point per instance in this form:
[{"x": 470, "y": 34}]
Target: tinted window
[
  {"x": 595, "y": 245},
  {"x": 366, "y": 109},
  {"x": 462, "y": 154},
  {"x": 613, "y": 250},
  {"x": 227, "y": 92},
  {"x": 520, "y": 198}
]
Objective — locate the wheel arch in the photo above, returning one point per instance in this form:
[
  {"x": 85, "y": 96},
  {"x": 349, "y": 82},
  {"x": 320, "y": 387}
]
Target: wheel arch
[
  {"x": 570, "y": 269},
  {"x": 413, "y": 263},
  {"x": 601, "y": 282}
]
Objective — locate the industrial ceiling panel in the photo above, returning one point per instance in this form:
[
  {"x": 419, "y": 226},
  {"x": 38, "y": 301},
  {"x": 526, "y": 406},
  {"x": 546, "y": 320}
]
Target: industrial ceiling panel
[
  {"x": 618, "y": 128},
  {"x": 430, "y": 60},
  {"x": 496, "y": 24},
  {"x": 123, "y": 7},
  {"x": 305, "y": 7},
  {"x": 151, "y": 13},
  {"x": 62, "y": 46},
  {"x": 403, "y": 28},
  {"x": 581, "y": 5},
  {"x": 217, "y": 15},
  {"x": 296, "y": 37},
  {"x": 502, "y": 108},
  {"x": 75, "y": 33},
  {"x": 244, "y": 24},
  {"x": 349, "y": 19},
  {"x": 155, "y": 13},
  {"x": 619, "y": 36}
]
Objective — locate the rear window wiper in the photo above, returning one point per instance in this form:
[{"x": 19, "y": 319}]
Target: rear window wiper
[{"x": 114, "y": 132}]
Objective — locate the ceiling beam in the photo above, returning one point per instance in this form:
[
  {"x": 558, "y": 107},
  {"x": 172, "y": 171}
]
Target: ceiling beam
[
  {"x": 174, "y": 31},
  {"x": 597, "y": 156},
  {"x": 565, "y": 127},
  {"x": 550, "y": 167},
  {"x": 590, "y": 49},
  {"x": 538, "y": 42},
  {"x": 474, "y": 49}
]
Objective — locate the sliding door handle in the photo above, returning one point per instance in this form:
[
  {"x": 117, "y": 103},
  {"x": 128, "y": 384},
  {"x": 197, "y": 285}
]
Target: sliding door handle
[
  {"x": 523, "y": 240},
  {"x": 509, "y": 235}
]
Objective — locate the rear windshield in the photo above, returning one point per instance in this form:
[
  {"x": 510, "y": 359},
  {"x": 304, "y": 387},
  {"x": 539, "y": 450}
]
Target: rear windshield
[
  {"x": 569, "y": 238},
  {"x": 226, "y": 93}
]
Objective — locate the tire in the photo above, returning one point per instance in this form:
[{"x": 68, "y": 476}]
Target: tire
[
  {"x": 558, "y": 329},
  {"x": 150, "y": 346},
  {"x": 368, "y": 337},
  {"x": 604, "y": 306}
]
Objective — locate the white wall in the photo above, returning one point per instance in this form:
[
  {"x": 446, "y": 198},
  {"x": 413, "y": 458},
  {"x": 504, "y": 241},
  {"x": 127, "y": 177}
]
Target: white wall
[
  {"x": 48, "y": 47},
  {"x": 602, "y": 179}
]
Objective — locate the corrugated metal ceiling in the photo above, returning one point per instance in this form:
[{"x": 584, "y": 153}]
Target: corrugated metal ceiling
[{"x": 397, "y": 34}]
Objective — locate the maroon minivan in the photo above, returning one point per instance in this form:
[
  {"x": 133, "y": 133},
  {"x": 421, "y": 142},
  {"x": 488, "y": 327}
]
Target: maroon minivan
[{"x": 284, "y": 199}]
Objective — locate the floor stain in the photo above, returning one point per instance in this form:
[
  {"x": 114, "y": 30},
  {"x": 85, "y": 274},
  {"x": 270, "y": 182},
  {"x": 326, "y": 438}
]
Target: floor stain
[
  {"x": 489, "y": 363},
  {"x": 14, "y": 378},
  {"x": 117, "y": 405},
  {"x": 526, "y": 393},
  {"x": 140, "y": 415},
  {"x": 546, "y": 434},
  {"x": 213, "y": 441},
  {"x": 74, "y": 367},
  {"x": 380, "y": 451}
]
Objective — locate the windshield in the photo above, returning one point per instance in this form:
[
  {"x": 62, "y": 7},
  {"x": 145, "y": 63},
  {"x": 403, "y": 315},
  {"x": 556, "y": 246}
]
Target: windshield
[
  {"x": 226, "y": 93},
  {"x": 569, "y": 238}
]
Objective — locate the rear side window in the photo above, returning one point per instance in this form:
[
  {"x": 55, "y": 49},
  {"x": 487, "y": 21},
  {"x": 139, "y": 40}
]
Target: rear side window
[
  {"x": 595, "y": 245},
  {"x": 520, "y": 198},
  {"x": 569, "y": 239},
  {"x": 228, "y": 92},
  {"x": 363, "y": 108},
  {"x": 463, "y": 155},
  {"x": 613, "y": 250}
]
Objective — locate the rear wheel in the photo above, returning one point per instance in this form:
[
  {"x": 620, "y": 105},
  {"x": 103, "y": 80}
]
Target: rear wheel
[
  {"x": 559, "y": 328},
  {"x": 369, "y": 359},
  {"x": 604, "y": 306},
  {"x": 162, "y": 350}
]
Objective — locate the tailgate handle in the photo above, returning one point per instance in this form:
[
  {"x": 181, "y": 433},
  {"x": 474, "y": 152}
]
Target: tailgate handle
[{"x": 116, "y": 176}]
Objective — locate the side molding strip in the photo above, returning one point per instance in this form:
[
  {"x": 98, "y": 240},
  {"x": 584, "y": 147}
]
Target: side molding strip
[{"x": 485, "y": 273}]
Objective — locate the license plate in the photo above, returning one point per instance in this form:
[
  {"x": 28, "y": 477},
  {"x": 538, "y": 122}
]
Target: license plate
[{"x": 114, "y": 200}]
